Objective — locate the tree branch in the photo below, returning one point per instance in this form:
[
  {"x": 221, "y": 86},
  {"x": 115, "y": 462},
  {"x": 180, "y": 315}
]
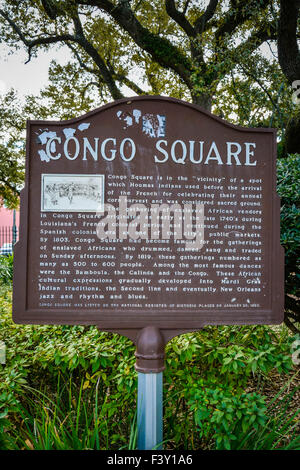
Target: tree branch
[
  {"x": 162, "y": 50},
  {"x": 259, "y": 82},
  {"x": 122, "y": 78},
  {"x": 202, "y": 21},
  {"x": 40, "y": 41},
  {"x": 80, "y": 61},
  {"x": 93, "y": 53},
  {"x": 288, "y": 51},
  {"x": 180, "y": 18},
  {"x": 130, "y": 84},
  {"x": 78, "y": 38},
  {"x": 265, "y": 33},
  {"x": 186, "y": 5},
  {"x": 289, "y": 324},
  {"x": 240, "y": 11},
  {"x": 51, "y": 8}
]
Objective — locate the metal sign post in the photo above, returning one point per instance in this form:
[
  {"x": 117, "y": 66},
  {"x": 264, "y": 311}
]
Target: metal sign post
[
  {"x": 150, "y": 364},
  {"x": 150, "y": 411}
]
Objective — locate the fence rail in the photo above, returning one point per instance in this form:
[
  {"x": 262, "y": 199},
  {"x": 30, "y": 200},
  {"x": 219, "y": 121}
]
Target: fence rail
[{"x": 8, "y": 237}]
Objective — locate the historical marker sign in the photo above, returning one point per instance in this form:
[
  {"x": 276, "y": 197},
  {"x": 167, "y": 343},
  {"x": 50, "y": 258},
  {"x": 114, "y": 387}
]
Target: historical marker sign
[{"x": 149, "y": 211}]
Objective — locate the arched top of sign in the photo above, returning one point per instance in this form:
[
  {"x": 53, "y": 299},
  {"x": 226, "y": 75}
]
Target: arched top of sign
[{"x": 135, "y": 115}]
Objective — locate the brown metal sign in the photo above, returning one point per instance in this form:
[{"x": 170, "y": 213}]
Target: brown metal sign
[{"x": 149, "y": 212}]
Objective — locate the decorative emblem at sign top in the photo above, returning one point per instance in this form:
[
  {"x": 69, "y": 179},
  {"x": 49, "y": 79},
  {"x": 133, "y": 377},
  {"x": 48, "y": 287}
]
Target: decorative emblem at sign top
[{"x": 153, "y": 125}]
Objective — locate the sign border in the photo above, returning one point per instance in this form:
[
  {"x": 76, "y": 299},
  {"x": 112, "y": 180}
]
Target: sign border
[{"x": 170, "y": 320}]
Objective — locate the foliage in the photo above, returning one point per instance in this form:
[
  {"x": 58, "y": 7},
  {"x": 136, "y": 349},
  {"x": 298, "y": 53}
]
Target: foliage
[
  {"x": 227, "y": 414},
  {"x": 281, "y": 429},
  {"x": 245, "y": 421},
  {"x": 75, "y": 418},
  {"x": 12, "y": 149},
  {"x": 221, "y": 55},
  {"x": 75, "y": 387},
  {"x": 266, "y": 103},
  {"x": 182, "y": 49},
  {"x": 288, "y": 188},
  {"x": 213, "y": 367},
  {"x": 6, "y": 269}
]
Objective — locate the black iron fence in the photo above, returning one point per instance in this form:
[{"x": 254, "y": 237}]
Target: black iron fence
[{"x": 8, "y": 237}]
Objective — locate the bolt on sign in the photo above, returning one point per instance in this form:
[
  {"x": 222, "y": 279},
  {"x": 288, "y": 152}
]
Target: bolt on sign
[{"x": 149, "y": 212}]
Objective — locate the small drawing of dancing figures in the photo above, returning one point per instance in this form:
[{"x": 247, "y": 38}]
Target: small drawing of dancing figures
[
  {"x": 71, "y": 192},
  {"x": 53, "y": 195}
]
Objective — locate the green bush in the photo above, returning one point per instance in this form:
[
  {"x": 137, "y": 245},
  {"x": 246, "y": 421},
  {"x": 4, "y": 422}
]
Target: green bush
[
  {"x": 74, "y": 387},
  {"x": 208, "y": 372},
  {"x": 288, "y": 188},
  {"x": 68, "y": 387},
  {"x": 6, "y": 269},
  {"x": 227, "y": 415}
]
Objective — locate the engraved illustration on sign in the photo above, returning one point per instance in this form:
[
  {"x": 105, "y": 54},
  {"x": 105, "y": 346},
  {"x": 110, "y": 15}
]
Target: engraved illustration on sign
[{"x": 68, "y": 193}]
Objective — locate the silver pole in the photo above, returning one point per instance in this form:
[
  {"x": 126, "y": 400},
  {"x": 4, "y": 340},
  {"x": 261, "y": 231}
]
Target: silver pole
[{"x": 150, "y": 411}]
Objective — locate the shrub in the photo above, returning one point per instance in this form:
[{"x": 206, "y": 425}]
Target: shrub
[
  {"x": 6, "y": 269},
  {"x": 214, "y": 364},
  {"x": 288, "y": 188}
]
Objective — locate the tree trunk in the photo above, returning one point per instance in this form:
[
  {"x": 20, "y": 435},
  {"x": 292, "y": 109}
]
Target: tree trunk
[
  {"x": 288, "y": 51},
  {"x": 204, "y": 100},
  {"x": 292, "y": 134}
]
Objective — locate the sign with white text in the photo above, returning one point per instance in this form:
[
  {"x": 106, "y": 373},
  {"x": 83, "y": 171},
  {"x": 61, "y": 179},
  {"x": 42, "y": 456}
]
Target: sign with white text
[{"x": 149, "y": 211}]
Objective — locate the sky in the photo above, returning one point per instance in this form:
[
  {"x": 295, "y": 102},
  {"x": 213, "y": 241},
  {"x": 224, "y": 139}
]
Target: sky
[
  {"x": 27, "y": 78},
  {"x": 30, "y": 78}
]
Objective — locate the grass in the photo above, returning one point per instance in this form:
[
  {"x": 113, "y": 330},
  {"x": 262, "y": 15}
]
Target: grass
[
  {"x": 75, "y": 388},
  {"x": 70, "y": 421},
  {"x": 75, "y": 419},
  {"x": 281, "y": 430}
]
